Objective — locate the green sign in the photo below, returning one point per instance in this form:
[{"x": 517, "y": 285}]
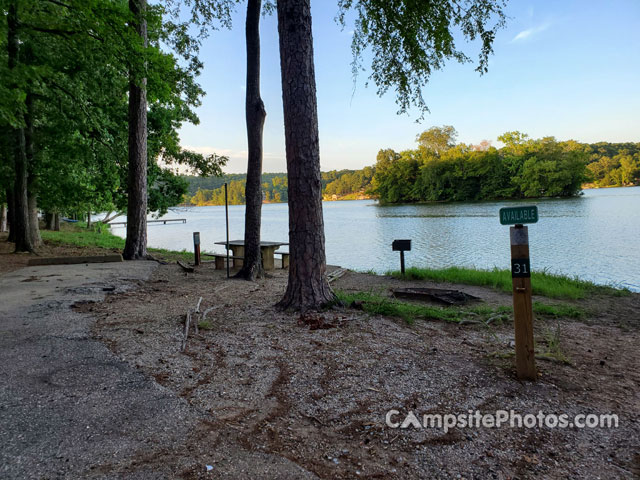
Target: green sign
[{"x": 518, "y": 215}]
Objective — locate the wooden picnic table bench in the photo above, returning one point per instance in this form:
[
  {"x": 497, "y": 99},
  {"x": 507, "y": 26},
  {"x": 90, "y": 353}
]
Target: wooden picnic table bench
[
  {"x": 267, "y": 250},
  {"x": 285, "y": 258}
]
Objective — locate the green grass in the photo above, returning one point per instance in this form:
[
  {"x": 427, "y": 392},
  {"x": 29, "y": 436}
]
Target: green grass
[
  {"x": 78, "y": 235},
  {"x": 378, "y": 304},
  {"x": 557, "y": 311},
  {"x": 542, "y": 283},
  {"x": 553, "y": 339}
]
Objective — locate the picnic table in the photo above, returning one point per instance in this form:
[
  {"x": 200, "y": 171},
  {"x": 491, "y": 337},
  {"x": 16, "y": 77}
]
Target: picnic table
[{"x": 267, "y": 249}]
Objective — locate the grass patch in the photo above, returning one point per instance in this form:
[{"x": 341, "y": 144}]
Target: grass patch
[
  {"x": 205, "y": 325},
  {"x": 99, "y": 236},
  {"x": 379, "y": 305},
  {"x": 568, "y": 311},
  {"x": 79, "y": 236},
  {"x": 554, "y": 351},
  {"x": 542, "y": 283}
]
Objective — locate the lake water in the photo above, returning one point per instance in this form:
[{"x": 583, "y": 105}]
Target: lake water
[{"x": 595, "y": 236}]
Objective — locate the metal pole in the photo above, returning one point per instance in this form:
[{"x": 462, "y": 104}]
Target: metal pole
[
  {"x": 402, "y": 261},
  {"x": 226, "y": 213}
]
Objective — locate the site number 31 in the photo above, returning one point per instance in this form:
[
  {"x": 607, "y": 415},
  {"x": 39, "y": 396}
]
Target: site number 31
[{"x": 520, "y": 268}]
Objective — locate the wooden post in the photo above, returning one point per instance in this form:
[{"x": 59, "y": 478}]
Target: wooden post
[
  {"x": 196, "y": 248},
  {"x": 402, "y": 261},
  {"x": 522, "y": 306},
  {"x": 226, "y": 214}
]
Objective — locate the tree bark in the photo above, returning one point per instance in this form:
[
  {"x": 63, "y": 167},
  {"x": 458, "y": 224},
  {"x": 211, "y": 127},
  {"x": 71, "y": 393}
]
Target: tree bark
[
  {"x": 136, "y": 243},
  {"x": 32, "y": 199},
  {"x": 255, "y": 115},
  {"x": 10, "y": 212},
  {"x": 56, "y": 221},
  {"x": 307, "y": 287},
  {"x": 20, "y": 216},
  {"x": 48, "y": 220},
  {"x": 34, "y": 222},
  {"x": 3, "y": 218}
]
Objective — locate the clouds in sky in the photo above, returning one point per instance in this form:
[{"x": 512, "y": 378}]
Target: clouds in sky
[{"x": 530, "y": 32}]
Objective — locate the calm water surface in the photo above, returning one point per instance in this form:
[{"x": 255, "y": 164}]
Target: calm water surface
[{"x": 595, "y": 236}]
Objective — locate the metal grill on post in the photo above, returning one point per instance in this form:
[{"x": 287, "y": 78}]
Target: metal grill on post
[{"x": 401, "y": 246}]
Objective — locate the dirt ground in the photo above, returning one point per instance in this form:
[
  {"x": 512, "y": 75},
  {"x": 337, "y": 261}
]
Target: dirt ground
[{"x": 316, "y": 389}]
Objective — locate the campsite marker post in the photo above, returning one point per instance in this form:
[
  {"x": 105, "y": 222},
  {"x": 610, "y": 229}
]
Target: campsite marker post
[
  {"x": 196, "y": 247},
  {"x": 521, "y": 280},
  {"x": 226, "y": 216}
]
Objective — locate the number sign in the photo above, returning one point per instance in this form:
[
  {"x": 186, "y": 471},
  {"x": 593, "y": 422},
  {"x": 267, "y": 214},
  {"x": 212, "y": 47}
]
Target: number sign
[{"x": 520, "y": 268}]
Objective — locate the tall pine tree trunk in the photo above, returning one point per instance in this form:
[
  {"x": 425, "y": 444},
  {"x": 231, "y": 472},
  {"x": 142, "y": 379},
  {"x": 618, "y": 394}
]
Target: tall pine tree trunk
[
  {"x": 20, "y": 216},
  {"x": 3, "y": 218},
  {"x": 136, "y": 243},
  {"x": 307, "y": 287},
  {"x": 32, "y": 198},
  {"x": 255, "y": 116},
  {"x": 10, "y": 212}
]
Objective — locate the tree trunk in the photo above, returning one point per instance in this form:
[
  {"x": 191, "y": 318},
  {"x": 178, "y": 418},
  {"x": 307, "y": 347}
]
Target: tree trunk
[
  {"x": 136, "y": 243},
  {"x": 56, "y": 221},
  {"x": 20, "y": 216},
  {"x": 34, "y": 225},
  {"x": 10, "y": 212},
  {"x": 255, "y": 116},
  {"x": 32, "y": 199},
  {"x": 88, "y": 219},
  {"x": 48, "y": 220},
  {"x": 3, "y": 218},
  {"x": 308, "y": 287}
]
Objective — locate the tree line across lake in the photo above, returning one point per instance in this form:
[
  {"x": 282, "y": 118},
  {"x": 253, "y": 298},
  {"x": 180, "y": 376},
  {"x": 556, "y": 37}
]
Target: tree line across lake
[
  {"x": 441, "y": 170},
  {"x": 336, "y": 184}
]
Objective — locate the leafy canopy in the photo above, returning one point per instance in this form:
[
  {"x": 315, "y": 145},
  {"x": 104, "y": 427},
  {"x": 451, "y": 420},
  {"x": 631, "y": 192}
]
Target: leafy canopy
[{"x": 409, "y": 39}]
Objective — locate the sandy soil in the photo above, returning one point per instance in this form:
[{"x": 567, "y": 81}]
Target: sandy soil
[{"x": 315, "y": 389}]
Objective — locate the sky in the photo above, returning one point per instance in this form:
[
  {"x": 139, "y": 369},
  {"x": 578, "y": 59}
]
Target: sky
[{"x": 563, "y": 68}]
